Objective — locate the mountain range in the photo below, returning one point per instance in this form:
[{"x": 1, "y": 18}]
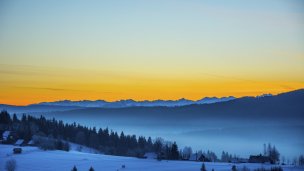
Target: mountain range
[
  {"x": 291, "y": 103},
  {"x": 285, "y": 106},
  {"x": 131, "y": 103},
  {"x": 65, "y": 105}
]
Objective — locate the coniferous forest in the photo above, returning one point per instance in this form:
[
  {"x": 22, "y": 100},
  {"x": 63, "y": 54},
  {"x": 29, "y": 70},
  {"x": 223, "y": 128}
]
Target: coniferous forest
[{"x": 52, "y": 134}]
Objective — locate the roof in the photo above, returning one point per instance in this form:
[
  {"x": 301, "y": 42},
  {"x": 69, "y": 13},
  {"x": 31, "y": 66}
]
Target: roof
[
  {"x": 19, "y": 142},
  {"x": 31, "y": 142}
]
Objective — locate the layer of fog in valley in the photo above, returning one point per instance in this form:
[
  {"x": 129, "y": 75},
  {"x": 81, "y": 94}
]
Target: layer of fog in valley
[{"x": 242, "y": 137}]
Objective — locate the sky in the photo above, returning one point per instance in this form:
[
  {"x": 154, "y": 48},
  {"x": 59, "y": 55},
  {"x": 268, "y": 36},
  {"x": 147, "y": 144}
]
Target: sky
[{"x": 54, "y": 50}]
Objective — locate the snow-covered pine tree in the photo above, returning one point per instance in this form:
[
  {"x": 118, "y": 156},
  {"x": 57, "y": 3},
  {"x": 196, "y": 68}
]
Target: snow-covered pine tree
[
  {"x": 203, "y": 168},
  {"x": 74, "y": 168}
]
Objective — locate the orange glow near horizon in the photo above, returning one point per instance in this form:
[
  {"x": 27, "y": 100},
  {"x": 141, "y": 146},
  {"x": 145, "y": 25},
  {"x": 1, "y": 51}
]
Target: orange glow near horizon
[
  {"x": 27, "y": 85},
  {"x": 26, "y": 98}
]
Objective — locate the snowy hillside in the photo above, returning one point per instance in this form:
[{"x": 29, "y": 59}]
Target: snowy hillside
[{"x": 36, "y": 160}]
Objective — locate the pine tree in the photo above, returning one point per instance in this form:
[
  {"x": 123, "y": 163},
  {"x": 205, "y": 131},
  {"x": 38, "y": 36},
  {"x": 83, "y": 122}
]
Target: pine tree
[
  {"x": 265, "y": 150},
  {"x": 301, "y": 160},
  {"x": 74, "y": 168},
  {"x": 203, "y": 168},
  {"x": 233, "y": 168},
  {"x": 91, "y": 169},
  {"x": 174, "y": 151},
  {"x": 15, "y": 119},
  {"x": 5, "y": 118}
]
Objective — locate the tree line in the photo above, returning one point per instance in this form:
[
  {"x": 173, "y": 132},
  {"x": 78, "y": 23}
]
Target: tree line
[
  {"x": 105, "y": 140},
  {"x": 54, "y": 134}
]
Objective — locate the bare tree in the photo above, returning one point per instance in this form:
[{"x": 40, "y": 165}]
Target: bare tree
[
  {"x": 294, "y": 161},
  {"x": 283, "y": 160},
  {"x": 158, "y": 144},
  {"x": 11, "y": 165},
  {"x": 245, "y": 168},
  {"x": 187, "y": 152}
]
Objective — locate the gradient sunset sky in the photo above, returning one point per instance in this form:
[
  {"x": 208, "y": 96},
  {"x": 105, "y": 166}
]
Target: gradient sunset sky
[{"x": 159, "y": 49}]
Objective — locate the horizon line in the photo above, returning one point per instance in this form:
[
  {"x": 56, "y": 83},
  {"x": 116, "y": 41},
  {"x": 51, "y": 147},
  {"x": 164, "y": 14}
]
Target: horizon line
[{"x": 151, "y": 100}]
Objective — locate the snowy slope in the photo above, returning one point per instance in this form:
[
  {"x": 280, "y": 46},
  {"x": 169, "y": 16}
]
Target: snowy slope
[
  {"x": 34, "y": 159},
  {"x": 81, "y": 148}
]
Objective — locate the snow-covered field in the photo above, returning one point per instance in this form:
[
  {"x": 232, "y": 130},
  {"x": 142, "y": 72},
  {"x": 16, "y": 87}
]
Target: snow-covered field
[{"x": 34, "y": 159}]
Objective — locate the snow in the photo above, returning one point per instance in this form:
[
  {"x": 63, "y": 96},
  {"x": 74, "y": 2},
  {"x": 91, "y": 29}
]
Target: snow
[
  {"x": 81, "y": 148},
  {"x": 35, "y": 159},
  {"x": 150, "y": 155}
]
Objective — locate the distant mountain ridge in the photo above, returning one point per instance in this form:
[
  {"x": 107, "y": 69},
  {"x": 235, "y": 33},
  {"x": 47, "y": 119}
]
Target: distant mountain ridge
[
  {"x": 283, "y": 107},
  {"x": 133, "y": 103},
  {"x": 284, "y": 103}
]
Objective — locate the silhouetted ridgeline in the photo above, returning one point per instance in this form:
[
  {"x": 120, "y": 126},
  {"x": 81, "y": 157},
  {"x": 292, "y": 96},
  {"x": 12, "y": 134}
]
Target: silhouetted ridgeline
[{"x": 287, "y": 106}]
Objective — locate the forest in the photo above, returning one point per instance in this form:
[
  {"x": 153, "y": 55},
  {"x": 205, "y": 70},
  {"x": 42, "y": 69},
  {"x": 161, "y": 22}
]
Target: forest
[{"x": 51, "y": 134}]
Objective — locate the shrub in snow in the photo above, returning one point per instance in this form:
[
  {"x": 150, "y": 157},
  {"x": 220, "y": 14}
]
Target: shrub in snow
[
  {"x": 186, "y": 153},
  {"x": 271, "y": 169},
  {"x": 233, "y": 168},
  {"x": 91, "y": 169},
  {"x": 66, "y": 146},
  {"x": 74, "y": 168},
  {"x": 245, "y": 168},
  {"x": 10, "y": 165},
  {"x": 47, "y": 143},
  {"x": 60, "y": 145},
  {"x": 203, "y": 168},
  {"x": 44, "y": 143},
  {"x": 79, "y": 148},
  {"x": 17, "y": 150},
  {"x": 301, "y": 160},
  {"x": 276, "y": 169},
  {"x": 260, "y": 169}
]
